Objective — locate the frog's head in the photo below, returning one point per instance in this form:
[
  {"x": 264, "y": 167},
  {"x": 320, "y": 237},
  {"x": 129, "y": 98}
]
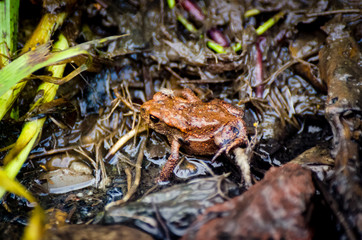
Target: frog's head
[
  {"x": 149, "y": 113},
  {"x": 154, "y": 112}
]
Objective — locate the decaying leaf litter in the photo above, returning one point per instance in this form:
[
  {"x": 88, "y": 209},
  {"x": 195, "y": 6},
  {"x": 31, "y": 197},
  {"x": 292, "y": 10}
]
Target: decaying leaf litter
[{"x": 294, "y": 67}]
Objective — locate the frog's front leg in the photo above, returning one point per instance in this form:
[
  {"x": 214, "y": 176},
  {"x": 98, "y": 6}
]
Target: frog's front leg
[
  {"x": 232, "y": 135},
  {"x": 171, "y": 162}
]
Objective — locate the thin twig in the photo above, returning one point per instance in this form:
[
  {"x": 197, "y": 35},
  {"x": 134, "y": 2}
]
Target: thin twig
[
  {"x": 332, "y": 203},
  {"x": 242, "y": 161},
  {"x": 91, "y": 160},
  {"x": 137, "y": 180},
  {"x": 128, "y": 172},
  {"x": 343, "y": 11},
  {"x": 272, "y": 77},
  {"x": 125, "y": 138},
  {"x": 100, "y": 162},
  {"x": 219, "y": 192},
  {"x": 160, "y": 220},
  {"x": 64, "y": 149},
  {"x": 243, "y": 157}
]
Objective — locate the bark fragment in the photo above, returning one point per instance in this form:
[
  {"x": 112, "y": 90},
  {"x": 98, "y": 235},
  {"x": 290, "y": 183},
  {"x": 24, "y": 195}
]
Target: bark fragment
[{"x": 340, "y": 68}]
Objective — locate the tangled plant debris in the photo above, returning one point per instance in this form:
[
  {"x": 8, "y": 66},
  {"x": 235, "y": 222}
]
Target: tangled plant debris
[{"x": 293, "y": 67}]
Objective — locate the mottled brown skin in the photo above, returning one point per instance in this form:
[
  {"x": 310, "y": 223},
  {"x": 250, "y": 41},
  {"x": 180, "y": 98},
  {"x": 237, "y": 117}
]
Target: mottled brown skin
[{"x": 199, "y": 128}]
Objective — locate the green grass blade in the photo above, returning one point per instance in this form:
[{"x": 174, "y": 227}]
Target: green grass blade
[
  {"x": 35, "y": 228},
  {"x": 48, "y": 24},
  {"x": 39, "y": 58},
  {"x": 31, "y": 62},
  {"x": 9, "y": 14}
]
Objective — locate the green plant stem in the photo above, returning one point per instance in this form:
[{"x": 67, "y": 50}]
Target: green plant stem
[
  {"x": 45, "y": 29},
  {"x": 16, "y": 157},
  {"x": 188, "y": 25},
  {"x": 9, "y": 14},
  {"x": 216, "y": 47},
  {"x": 269, "y": 23}
]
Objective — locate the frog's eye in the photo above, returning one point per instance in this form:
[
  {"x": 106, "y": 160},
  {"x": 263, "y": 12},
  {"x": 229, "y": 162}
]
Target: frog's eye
[{"x": 154, "y": 119}]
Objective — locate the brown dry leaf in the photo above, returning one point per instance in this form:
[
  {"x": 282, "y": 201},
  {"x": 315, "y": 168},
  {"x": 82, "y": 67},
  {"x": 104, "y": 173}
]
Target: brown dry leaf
[{"x": 274, "y": 208}]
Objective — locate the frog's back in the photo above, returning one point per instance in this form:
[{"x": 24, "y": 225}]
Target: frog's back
[{"x": 200, "y": 118}]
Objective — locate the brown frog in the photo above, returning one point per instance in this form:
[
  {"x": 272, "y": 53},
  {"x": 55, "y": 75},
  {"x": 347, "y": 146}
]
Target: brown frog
[{"x": 199, "y": 128}]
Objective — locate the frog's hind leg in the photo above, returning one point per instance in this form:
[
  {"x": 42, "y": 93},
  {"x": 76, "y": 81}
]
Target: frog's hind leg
[
  {"x": 234, "y": 110},
  {"x": 171, "y": 162},
  {"x": 188, "y": 94}
]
